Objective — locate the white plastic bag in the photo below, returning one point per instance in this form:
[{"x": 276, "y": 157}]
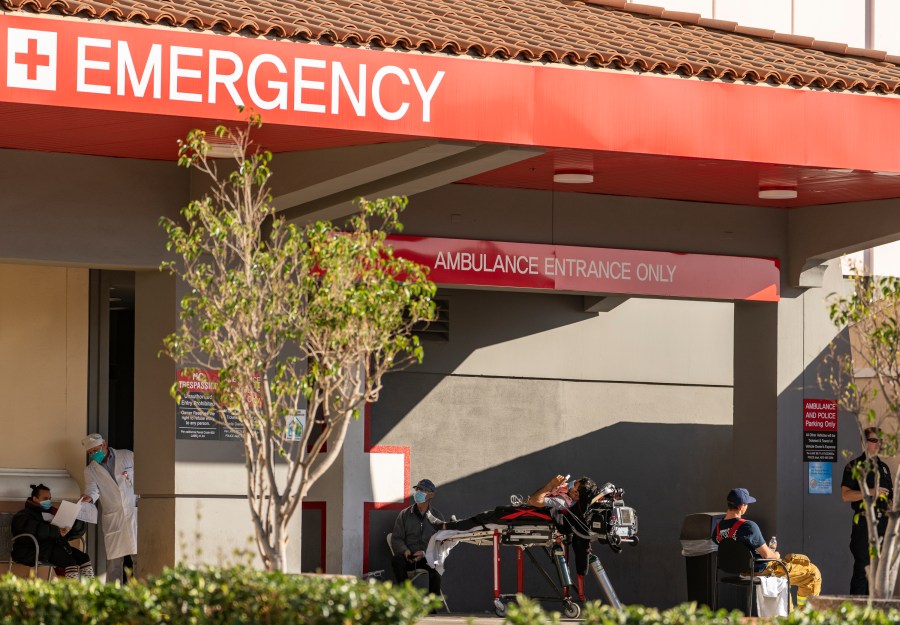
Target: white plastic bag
[{"x": 772, "y": 597}]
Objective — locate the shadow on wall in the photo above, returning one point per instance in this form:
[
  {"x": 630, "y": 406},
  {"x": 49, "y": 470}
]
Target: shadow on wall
[
  {"x": 817, "y": 525},
  {"x": 633, "y": 456},
  {"x": 482, "y": 319}
]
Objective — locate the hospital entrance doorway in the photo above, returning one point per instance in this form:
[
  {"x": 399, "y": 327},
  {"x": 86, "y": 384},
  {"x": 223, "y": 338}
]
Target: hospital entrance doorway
[{"x": 111, "y": 369}]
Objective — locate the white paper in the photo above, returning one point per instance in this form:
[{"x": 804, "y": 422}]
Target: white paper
[
  {"x": 66, "y": 514},
  {"x": 87, "y": 512}
]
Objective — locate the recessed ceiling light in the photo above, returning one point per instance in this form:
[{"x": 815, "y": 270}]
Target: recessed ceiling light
[
  {"x": 573, "y": 176},
  {"x": 886, "y": 173},
  {"x": 777, "y": 193}
]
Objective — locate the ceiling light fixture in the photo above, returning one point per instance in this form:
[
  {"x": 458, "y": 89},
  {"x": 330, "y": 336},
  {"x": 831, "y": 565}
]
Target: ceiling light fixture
[
  {"x": 777, "y": 193},
  {"x": 573, "y": 176},
  {"x": 886, "y": 173}
]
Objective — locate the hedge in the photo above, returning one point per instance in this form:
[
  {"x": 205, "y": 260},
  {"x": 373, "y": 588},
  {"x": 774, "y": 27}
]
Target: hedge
[
  {"x": 212, "y": 596},
  {"x": 528, "y": 612}
]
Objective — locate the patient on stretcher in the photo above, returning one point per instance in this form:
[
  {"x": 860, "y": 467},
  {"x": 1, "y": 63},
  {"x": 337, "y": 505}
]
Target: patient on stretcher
[
  {"x": 544, "y": 506},
  {"x": 555, "y": 518}
]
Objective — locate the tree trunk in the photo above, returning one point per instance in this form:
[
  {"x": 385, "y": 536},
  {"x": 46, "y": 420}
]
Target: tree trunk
[{"x": 886, "y": 573}]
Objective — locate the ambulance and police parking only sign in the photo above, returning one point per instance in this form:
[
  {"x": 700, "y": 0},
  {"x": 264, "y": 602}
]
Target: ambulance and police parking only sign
[{"x": 819, "y": 430}]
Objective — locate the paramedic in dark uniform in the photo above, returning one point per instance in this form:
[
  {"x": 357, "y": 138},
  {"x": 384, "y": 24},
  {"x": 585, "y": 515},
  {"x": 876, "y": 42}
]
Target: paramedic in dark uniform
[
  {"x": 412, "y": 530},
  {"x": 850, "y": 492}
]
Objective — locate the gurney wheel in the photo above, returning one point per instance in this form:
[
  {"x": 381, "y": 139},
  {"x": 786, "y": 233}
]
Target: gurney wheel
[
  {"x": 572, "y": 610},
  {"x": 499, "y": 608}
]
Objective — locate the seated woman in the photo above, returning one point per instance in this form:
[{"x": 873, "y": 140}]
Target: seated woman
[{"x": 53, "y": 546}]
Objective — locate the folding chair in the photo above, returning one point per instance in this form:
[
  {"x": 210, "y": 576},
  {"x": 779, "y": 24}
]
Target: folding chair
[
  {"x": 7, "y": 540},
  {"x": 415, "y": 573},
  {"x": 736, "y": 561}
]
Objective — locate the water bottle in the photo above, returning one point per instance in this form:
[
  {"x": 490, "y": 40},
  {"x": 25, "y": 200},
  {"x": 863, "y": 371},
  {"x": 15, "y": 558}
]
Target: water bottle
[{"x": 773, "y": 543}]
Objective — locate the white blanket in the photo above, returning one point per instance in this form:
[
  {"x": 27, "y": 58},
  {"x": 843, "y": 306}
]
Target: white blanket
[
  {"x": 442, "y": 542},
  {"x": 772, "y": 597},
  {"x": 438, "y": 549}
]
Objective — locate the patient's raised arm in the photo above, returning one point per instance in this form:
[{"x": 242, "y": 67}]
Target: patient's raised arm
[{"x": 537, "y": 497}]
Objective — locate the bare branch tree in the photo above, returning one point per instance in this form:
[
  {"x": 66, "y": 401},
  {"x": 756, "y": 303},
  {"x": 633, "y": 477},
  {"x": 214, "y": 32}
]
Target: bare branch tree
[{"x": 291, "y": 318}]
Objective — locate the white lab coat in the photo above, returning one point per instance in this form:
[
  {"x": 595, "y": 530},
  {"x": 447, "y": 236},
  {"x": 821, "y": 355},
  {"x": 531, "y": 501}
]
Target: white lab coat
[{"x": 118, "y": 502}]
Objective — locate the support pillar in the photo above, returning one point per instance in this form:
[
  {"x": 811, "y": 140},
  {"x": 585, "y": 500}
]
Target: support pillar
[
  {"x": 778, "y": 358},
  {"x": 755, "y": 446},
  {"x": 154, "y": 425}
]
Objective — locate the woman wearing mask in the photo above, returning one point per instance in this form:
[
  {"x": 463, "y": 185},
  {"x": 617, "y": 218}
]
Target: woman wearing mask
[{"x": 53, "y": 546}]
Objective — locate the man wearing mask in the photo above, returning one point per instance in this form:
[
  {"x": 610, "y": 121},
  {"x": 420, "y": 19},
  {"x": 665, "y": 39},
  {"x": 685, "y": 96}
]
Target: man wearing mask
[
  {"x": 850, "y": 492},
  {"x": 109, "y": 480},
  {"x": 413, "y": 528}
]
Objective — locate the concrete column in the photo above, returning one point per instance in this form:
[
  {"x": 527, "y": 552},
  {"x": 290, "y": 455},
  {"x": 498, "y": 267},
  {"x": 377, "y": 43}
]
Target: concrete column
[
  {"x": 355, "y": 489},
  {"x": 779, "y": 351},
  {"x": 154, "y": 424},
  {"x": 370, "y": 476},
  {"x": 755, "y": 406},
  {"x": 792, "y": 384}
]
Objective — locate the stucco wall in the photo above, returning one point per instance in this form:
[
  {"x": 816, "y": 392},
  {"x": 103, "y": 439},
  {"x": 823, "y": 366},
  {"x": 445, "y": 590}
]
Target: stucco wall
[
  {"x": 43, "y": 373},
  {"x": 189, "y": 487},
  {"x": 529, "y": 386},
  {"x": 98, "y": 212}
]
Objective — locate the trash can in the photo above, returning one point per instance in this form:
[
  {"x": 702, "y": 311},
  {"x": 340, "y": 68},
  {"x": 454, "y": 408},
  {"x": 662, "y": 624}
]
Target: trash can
[{"x": 699, "y": 553}]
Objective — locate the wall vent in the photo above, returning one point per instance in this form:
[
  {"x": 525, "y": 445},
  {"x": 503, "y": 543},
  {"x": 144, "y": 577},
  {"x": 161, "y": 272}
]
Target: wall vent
[{"x": 439, "y": 329}]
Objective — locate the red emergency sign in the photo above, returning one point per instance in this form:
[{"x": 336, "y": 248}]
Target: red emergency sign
[{"x": 96, "y": 65}]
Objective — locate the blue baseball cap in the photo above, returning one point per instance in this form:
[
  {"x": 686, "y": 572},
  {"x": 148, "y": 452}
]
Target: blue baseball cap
[
  {"x": 426, "y": 485},
  {"x": 739, "y": 496}
]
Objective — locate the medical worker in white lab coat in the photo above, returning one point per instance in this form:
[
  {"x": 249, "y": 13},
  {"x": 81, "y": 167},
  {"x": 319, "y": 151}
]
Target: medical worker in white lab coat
[{"x": 109, "y": 480}]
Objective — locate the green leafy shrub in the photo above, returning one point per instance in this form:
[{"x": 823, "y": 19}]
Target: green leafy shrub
[
  {"x": 691, "y": 614},
  {"x": 529, "y": 612},
  {"x": 595, "y": 613},
  {"x": 212, "y": 596},
  {"x": 847, "y": 613},
  {"x": 525, "y": 611},
  {"x": 238, "y": 596},
  {"x": 62, "y": 602}
]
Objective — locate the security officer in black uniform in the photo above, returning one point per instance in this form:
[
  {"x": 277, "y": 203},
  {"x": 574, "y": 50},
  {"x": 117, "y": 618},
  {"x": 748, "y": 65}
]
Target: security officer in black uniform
[{"x": 850, "y": 492}]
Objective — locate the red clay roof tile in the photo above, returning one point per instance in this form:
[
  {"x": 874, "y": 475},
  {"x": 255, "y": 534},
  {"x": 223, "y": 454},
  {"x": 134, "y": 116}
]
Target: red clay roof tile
[
  {"x": 599, "y": 33},
  {"x": 681, "y": 16}
]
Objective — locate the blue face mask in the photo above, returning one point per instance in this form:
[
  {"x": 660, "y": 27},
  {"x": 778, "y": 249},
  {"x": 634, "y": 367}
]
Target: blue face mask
[
  {"x": 419, "y": 496},
  {"x": 46, "y": 504},
  {"x": 98, "y": 456}
]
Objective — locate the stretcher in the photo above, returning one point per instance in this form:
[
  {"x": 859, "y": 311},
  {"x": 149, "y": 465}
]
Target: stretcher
[{"x": 606, "y": 521}]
